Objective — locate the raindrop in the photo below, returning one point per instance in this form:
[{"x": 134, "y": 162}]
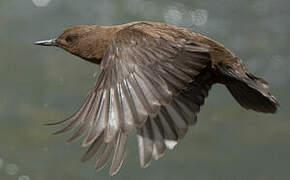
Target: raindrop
[
  {"x": 173, "y": 15},
  {"x": 187, "y": 19},
  {"x": 1, "y": 163},
  {"x": 41, "y": 3},
  {"x": 199, "y": 17},
  {"x": 11, "y": 169},
  {"x": 23, "y": 177}
]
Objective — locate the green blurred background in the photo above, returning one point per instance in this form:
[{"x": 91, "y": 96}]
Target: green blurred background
[{"x": 40, "y": 85}]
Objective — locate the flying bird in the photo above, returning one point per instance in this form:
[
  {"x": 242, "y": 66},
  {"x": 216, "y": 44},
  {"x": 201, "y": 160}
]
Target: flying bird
[{"x": 154, "y": 78}]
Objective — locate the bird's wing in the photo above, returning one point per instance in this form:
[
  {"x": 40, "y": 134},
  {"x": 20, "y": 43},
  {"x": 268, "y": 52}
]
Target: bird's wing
[
  {"x": 140, "y": 76},
  {"x": 172, "y": 121}
]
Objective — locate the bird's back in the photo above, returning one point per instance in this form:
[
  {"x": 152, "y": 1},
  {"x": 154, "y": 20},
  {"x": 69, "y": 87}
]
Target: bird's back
[{"x": 219, "y": 53}]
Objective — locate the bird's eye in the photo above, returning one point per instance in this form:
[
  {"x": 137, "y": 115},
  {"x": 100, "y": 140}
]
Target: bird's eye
[{"x": 70, "y": 38}]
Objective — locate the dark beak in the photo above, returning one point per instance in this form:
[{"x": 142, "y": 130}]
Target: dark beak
[{"x": 51, "y": 42}]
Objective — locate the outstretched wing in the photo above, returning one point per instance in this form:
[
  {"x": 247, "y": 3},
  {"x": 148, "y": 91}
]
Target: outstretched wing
[
  {"x": 172, "y": 121},
  {"x": 140, "y": 78}
]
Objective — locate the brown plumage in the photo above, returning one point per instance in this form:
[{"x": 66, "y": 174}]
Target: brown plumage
[{"x": 154, "y": 78}]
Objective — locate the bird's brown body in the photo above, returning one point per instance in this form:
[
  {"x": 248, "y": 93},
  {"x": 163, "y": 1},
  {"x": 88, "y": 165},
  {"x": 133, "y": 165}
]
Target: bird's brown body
[
  {"x": 102, "y": 37},
  {"x": 154, "y": 78}
]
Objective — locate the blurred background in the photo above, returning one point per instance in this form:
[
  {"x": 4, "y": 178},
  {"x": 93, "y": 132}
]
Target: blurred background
[{"x": 41, "y": 85}]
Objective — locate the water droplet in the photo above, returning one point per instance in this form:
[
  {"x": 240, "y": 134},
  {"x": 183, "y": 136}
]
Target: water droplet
[
  {"x": 41, "y": 3},
  {"x": 199, "y": 17},
  {"x": 11, "y": 169},
  {"x": 23, "y": 177},
  {"x": 186, "y": 19},
  {"x": 172, "y": 15}
]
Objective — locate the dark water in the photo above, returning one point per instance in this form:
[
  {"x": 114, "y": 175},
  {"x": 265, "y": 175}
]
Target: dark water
[{"x": 41, "y": 85}]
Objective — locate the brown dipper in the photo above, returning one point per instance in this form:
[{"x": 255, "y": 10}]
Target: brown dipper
[{"x": 154, "y": 78}]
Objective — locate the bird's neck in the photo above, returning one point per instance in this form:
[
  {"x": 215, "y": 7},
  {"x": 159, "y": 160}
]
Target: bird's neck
[{"x": 98, "y": 42}]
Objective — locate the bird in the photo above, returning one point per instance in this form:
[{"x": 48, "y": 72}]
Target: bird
[{"x": 154, "y": 77}]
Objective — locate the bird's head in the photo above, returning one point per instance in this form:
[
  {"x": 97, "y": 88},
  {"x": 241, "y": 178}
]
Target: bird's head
[{"x": 87, "y": 42}]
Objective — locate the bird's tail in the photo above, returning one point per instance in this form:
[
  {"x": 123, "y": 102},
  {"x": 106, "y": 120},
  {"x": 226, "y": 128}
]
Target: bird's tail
[{"x": 249, "y": 91}]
